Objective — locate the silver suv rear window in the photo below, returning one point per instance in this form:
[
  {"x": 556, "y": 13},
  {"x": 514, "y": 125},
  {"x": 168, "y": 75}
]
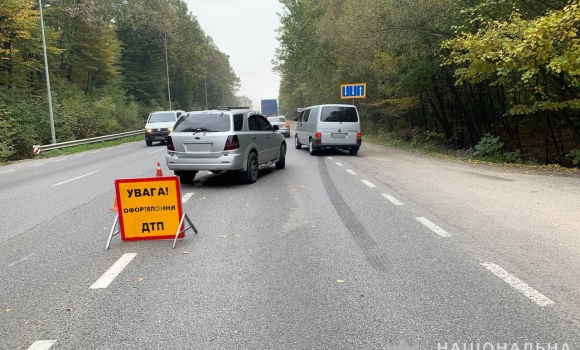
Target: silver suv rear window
[
  {"x": 339, "y": 114},
  {"x": 204, "y": 122}
]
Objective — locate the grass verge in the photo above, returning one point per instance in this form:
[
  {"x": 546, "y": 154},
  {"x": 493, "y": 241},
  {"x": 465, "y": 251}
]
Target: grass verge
[{"x": 87, "y": 147}]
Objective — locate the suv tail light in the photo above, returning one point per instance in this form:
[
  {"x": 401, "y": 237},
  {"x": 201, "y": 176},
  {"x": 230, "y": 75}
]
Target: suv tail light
[
  {"x": 170, "y": 146},
  {"x": 318, "y": 135},
  {"x": 232, "y": 143}
]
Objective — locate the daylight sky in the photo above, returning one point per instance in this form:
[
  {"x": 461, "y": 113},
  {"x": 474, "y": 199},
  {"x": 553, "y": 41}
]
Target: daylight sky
[{"x": 244, "y": 30}]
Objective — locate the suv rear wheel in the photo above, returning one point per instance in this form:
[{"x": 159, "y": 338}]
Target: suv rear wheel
[
  {"x": 185, "y": 177},
  {"x": 250, "y": 175}
]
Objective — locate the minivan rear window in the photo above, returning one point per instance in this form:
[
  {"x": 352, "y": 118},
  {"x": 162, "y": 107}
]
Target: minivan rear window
[
  {"x": 339, "y": 114},
  {"x": 203, "y": 122}
]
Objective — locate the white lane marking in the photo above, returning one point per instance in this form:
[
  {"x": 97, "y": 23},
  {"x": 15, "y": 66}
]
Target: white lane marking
[
  {"x": 518, "y": 284},
  {"x": 95, "y": 152},
  {"x": 9, "y": 171},
  {"x": 76, "y": 178},
  {"x": 438, "y": 230},
  {"x": 329, "y": 157},
  {"x": 161, "y": 149},
  {"x": 338, "y": 163},
  {"x": 350, "y": 172},
  {"x": 368, "y": 183},
  {"x": 392, "y": 199},
  {"x": 60, "y": 160},
  {"x": 37, "y": 164},
  {"x": 42, "y": 345},
  {"x": 186, "y": 197},
  {"x": 21, "y": 260},
  {"x": 113, "y": 271}
]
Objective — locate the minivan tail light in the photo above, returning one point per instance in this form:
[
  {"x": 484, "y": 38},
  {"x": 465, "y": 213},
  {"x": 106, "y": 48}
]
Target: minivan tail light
[
  {"x": 232, "y": 143},
  {"x": 318, "y": 135},
  {"x": 170, "y": 146},
  {"x": 358, "y": 136}
]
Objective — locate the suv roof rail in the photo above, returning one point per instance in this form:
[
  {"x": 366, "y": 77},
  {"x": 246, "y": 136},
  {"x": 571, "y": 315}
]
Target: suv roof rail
[{"x": 227, "y": 108}]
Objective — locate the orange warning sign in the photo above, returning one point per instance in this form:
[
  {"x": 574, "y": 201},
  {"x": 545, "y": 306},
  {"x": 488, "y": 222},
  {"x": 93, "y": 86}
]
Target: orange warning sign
[{"x": 149, "y": 208}]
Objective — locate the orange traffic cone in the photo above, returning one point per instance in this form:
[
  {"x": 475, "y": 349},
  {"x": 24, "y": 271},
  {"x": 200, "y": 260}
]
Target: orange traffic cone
[
  {"x": 159, "y": 172},
  {"x": 114, "y": 207}
]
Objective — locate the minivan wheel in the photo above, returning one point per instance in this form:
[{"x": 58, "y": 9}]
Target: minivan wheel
[
  {"x": 185, "y": 177},
  {"x": 311, "y": 148},
  {"x": 297, "y": 144},
  {"x": 281, "y": 163},
  {"x": 353, "y": 151},
  {"x": 250, "y": 175}
]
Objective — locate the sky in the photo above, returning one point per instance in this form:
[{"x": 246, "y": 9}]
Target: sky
[{"x": 246, "y": 31}]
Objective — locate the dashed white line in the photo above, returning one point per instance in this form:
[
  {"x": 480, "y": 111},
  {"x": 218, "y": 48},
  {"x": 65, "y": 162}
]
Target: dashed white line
[
  {"x": 113, "y": 271},
  {"x": 186, "y": 197},
  {"x": 159, "y": 150},
  {"x": 8, "y": 171},
  {"x": 42, "y": 345},
  {"x": 518, "y": 284},
  {"x": 95, "y": 152},
  {"x": 438, "y": 230},
  {"x": 329, "y": 157},
  {"x": 60, "y": 160},
  {"x": 368, "y": 183},
  {"x": 392, "y": 199},
  {"x": 350, "y": 172},
  {"x": 37, "y": 164},
  {"x": 76, "y": 178},
  {"x": 21, "y": 260},
  {"x": 338, "y": 163}
]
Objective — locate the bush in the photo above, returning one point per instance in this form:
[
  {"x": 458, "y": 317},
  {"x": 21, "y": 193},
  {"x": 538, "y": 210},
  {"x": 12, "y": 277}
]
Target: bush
[
  {"x": 575, "y": 155},
  {"x": 488, "y": 146}
]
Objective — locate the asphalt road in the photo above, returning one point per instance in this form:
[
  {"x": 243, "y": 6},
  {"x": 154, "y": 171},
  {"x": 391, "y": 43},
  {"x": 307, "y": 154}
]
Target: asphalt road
[{"x": 385, "y": 250}]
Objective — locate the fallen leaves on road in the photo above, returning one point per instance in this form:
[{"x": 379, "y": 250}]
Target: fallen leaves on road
[
  {"x": 185, "y": 252},
  {"x": 301, "y": 185},
  {"x": 141, "y": 279},
  {"x": 8, "y": 310},
  {"x": 223, "y": 236},
  {"x": 68, "y": 309},
  {"x": 202, "y": 198},
  {"x": 340, "y": 281}
]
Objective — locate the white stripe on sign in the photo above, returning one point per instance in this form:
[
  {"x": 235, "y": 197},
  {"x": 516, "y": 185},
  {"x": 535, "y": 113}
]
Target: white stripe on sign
[
  {"x": 76, "y": 178},
  {"x": 338, "y": 163},
  {"x": 162, "y": 149},
  {"x": 368, "y": 183},
  {"x": 42, "y": 345},
  {"x": 113, "y": 271},
  {"x": 186, "y": 197},
  {"x": 392, "y": 199},
  {"x": 9, "y": 171},
  {"x": 438, "y": 230},
  {"x": 518, "y": 284},
  {"x": 350, "y": 172},
  {"x": 329, "y": 157}
]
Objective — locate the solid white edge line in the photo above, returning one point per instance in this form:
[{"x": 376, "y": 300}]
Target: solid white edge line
[
  {"x": 338, "y": 163},
  {"x": 161, "y": 149},
  {"x": 438, "y": 230},
  {"x": 37, "y": 164},
  {"x": 186, "y": 197},
  {"x": 518, "y": 284},
  {"x": 9, "y": 171},
  {"x": 329, "y": 157},
  {"x": 392, "y": 199},
  {"x": 76, "y": 178},
  {"x": 42, "y": 345},
  {"x": 113, "y": 271},
  {"x": 350, "y": 172},
  {"x": 368, "y": 183}
]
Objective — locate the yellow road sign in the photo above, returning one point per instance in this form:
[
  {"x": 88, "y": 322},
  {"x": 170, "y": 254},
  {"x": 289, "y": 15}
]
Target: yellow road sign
[{"x": 149, "y": 208}]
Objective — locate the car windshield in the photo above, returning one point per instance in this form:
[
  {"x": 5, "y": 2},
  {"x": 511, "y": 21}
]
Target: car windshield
[
  {"x": 204, "y": 123},
  {"x": 339, "y": 114},
  {"x": 162, "y": 117},
  {"x": 276, "y": 119}
]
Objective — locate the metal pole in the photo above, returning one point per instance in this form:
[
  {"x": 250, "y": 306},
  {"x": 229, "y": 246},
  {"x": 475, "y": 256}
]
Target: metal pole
[
  {"x": 206, "y": 105},
  {"x": 52, "y": 132},
  {"x": 223, "y": 93},
  {"x": 167, "y": 68}
]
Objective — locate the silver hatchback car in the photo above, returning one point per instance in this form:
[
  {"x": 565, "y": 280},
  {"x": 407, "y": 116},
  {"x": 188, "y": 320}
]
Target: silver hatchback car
[{"x": 232, "y": 139}]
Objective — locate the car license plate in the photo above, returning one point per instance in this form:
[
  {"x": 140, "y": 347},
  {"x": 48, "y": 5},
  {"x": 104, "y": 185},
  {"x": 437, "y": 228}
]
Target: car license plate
[
  {"x": 160, "y": 138},
  {"x": 198, "y": 147},
  {"x": 338, "y": 136}
]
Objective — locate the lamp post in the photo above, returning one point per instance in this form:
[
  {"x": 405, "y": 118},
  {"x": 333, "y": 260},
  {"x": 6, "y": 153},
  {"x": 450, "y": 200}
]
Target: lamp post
[
  {"x": 52, "y": 132},
  {"x": 167, "y": 69}
]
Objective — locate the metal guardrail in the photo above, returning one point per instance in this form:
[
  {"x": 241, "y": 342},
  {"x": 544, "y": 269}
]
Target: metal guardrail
[{"x": 37, "y": 148}]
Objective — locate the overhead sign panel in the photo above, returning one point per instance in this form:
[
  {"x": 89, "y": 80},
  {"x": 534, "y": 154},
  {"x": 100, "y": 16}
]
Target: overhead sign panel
[
  {"x": 349, "y": 91},
  {"x": 149, "y": 208}
]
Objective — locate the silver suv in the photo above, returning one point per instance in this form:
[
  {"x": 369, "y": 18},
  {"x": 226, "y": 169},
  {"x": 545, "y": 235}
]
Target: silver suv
[{"x": 226, "y": 138}]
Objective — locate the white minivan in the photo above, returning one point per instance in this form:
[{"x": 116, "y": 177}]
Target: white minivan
[
  {"x": 329, "y": 126},
  {"x": 159, "y": 125}
]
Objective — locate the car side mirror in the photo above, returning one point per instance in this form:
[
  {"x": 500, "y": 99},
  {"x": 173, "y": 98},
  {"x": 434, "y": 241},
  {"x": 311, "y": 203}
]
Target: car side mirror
[{"x": 275, "y": 128}]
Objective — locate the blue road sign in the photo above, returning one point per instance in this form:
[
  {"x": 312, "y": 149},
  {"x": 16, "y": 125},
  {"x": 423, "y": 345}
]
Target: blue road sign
[{"x": 348, "y": 91}]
